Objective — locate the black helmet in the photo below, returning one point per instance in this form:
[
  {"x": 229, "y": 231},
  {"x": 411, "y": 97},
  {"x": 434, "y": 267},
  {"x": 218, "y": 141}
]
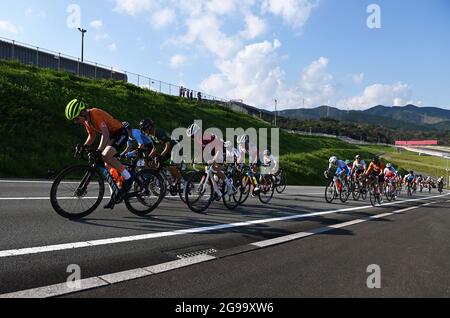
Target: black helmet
[
  {"x": 146, "y": 123},
  {"x": 376, "y": 160}
]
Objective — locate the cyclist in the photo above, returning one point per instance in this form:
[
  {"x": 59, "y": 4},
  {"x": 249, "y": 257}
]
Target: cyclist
[
  {"x": 114, "y": 137},
  {"x": 342, "y": 171},
  {"x": 231, "y": 154},
  {"x": 375, "y": 171},
  {"x": 209, "y": 139},
  {"x": 441, "y": 182},
  {"x": 246, "y": 147},
  {"x": 359, "y": 167},
  {"x": 408, "y": 180},
  {"x": 144, "y": 142},
  {"x": 161, "y": 137},
  {"x": 270, "y": 163},
  {"x": 390, "y": 174}
]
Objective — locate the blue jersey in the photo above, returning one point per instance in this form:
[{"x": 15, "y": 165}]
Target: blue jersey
[
  {"x": 342, "y": 166},
  {"x": 140, "y": 138}
]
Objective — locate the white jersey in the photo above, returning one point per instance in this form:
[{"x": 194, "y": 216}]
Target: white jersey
[
  {"x": 252, "y": 153},
  {"x": 233, "y": 153},
  {"x": 360, "y": 166},
  {"x": 272, "y": 164}
]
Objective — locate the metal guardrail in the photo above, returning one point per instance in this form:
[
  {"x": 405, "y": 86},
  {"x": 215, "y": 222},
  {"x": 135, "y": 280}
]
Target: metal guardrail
[{"x": 43, "y": 58}]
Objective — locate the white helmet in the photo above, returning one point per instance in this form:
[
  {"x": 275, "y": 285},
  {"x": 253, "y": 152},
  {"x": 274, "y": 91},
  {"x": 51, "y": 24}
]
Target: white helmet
[
  {"x": 192, "y": 130},
  {"x": 333, "y": 160},
  {"x": 267, "y": 152},
  {"x": 228, "y": 144},
  {"x": 242, "y": 139}
]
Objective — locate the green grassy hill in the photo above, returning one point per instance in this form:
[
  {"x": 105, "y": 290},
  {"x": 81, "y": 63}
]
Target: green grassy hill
[{"x": 36, "y": 136}]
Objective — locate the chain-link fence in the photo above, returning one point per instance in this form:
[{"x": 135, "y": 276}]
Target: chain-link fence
[{"x": 36, "y": 56}]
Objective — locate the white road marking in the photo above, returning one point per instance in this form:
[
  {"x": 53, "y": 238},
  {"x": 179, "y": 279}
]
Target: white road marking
[
  {"x": 57, "y": 290},
  {"x": 114, "y": 278},
  {"x": 48, "y": 199},
  {"x": 105, "y": 280},
  {"x": 76, "y": 245},
  {"x": 293, "y": 237}
]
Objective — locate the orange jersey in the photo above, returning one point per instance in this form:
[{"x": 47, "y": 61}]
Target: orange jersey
[
  {"x": 100, "y": 119},
  {"x": 375, "y": 168}
]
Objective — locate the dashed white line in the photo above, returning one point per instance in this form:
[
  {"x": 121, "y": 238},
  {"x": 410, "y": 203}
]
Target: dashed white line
[
  {"x": 292, "y": 237},
  {"x": 105, "y": 280}
]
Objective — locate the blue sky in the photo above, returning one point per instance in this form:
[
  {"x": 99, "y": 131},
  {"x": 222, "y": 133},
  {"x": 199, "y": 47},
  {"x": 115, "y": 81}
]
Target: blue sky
[{"x": 301, "y": 52}]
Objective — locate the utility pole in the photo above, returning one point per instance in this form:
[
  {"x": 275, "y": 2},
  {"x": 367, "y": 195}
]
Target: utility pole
[
  {"x": 83, "y": 31},
  {"x": 276, "y": 107}
]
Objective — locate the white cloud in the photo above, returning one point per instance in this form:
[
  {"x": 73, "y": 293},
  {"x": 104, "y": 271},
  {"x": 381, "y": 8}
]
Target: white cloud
[
  {"x": 112, "y": 47},
  {"x": 163, "y": 18},
  {"x": 177, "y": 60},
  {"x": 255, "y": 27},
  {"x": 30, "y": 13},
  {"x": 397, "y": 94},
  {"x": 96, "y": 24},
  {"x": 221, "y": 6},
  {"x": 100, "y": 37},
  {"x": 358, "y": 78},
  {"x": 132, "y": 7},
  {"x": 252, "y": 75},
  {"x": 8, "y": 27},
  {"x": 206, "y": 30},
  {"x": 294, "y": 12}
]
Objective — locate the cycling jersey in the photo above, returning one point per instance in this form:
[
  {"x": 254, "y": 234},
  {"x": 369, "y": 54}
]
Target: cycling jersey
[
  {"x": 160, "y": 136},
  {"x": 252, "y": 152},
  {"x": 390, "y": 173},
  {"x": 341, "y": 166},
  {"x": 410, "y": 177},
  {"x": 231, "y": 153},
  {"x": 272, "y": 164},
  {"x": 375, "y": 169},
  {"x": 139, "y": 137},
  {"x": 359, "y": 166},
  {"x": 100, "y": 119}
]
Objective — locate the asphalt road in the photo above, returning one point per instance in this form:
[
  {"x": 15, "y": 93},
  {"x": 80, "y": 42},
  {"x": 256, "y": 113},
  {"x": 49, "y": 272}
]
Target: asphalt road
[{"x": 329, "y": 258}]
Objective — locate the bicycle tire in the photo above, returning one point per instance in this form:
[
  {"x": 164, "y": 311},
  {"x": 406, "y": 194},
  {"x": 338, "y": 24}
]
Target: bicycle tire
[
  {"x": 190, "y": 204},
  {"x": 147, "y": 177},
  {"x": 59, "y": 179},
  {"x": 267, "y": 186}
]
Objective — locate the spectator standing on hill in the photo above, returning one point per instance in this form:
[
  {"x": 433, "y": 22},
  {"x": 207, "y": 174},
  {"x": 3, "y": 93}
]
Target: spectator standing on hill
[
  {"x": 199, "y": 96},
  {"x": 191, "y": 96},
  {"x": 181, "y": 91}
]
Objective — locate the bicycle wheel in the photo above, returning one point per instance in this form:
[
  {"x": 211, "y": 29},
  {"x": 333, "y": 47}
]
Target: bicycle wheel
[
  {"x": 373, "y": 199},
  {"x": 330, "y": 192},
  {"x": 267, "y": 189},
  {"x": 389, "y": 193},
  {"x": 281, "y": 186},
  {"x": 149, "y": 186},
  {"x": 356, "y": 191},
  {"x": 233, "y": 201},
  {"x": 345, "y": 194},
  {"x": 246, "y": 187},
  {"x": 77, "y": 192},
  {"x": 186, "y": 176},
  {"x": 199, "y": 194}
]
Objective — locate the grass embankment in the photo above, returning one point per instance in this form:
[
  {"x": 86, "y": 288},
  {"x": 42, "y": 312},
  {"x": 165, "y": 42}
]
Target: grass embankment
[{"x": 36, "y": 136}]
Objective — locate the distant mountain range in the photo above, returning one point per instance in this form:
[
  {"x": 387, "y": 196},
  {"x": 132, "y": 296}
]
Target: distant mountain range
[{"x": 408, "y": 118}]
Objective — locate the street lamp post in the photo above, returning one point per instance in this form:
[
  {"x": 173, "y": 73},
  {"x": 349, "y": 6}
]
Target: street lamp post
[
  {"x": 276, "y": 112},
  {"x": 83, "y": 31}
]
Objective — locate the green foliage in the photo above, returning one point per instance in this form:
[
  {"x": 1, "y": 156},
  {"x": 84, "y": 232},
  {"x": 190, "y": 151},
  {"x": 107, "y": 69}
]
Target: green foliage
[{"x": 36, "y": 137}]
